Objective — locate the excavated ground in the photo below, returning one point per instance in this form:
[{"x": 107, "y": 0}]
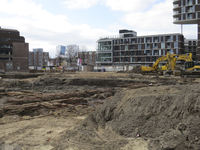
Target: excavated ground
[{"x": 48, "y": 112}]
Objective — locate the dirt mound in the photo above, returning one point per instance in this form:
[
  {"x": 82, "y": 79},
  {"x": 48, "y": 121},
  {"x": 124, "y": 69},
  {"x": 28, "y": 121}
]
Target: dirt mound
[
  {"x": 136, "y": 69},
  {"x": 167, "y": 118}
]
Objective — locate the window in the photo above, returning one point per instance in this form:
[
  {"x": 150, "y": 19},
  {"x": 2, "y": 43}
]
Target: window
[
  {"x": 126, "y": 47},
  {"x": 148, "y": 52},
  {"x": 156, "y": 39},
  {"x": 104, "y": 45},
  {"x": 163, "y": 52},
  {"x": 152, "y": 52},
  {"x": 148, "y": 40},
  {"x": 133, "y": 40},
  {"x": 182, "y": 9},
  {"x": 155, "y": 45},
  {"x": 132, "y": 59},
  {"x": 147, "y": 59},
  {"x": 162, "y": 45},
  {"x": 132, "y": 46},
  {"x": 176, "y": 51},
  {"x": 175, "y": 44},
  {"x": 168, "y": 45},
  {"x": 144, "y": 40},
  {"x": 139, "y": 59},
  {"x": 176, "y": 37},
  {"x": 181, "y": 2},
  {"x": 139, "y": 46},
  {"x": 139, "y": 40},
  {"x": 156, "y": 52},
  {"x": 181, "y": 16},
  {"x": 159, "y": 38},
  {"x": 159, "y": 52},
  {"x": 163, "y": 38},
  {"x": 147, "y": 46}
]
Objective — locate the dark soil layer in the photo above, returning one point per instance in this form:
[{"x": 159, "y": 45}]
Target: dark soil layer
[{"x": 168, "y": 116}]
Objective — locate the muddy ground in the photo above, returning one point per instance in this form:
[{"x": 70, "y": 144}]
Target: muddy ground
[{"x": 72, "y": 111}]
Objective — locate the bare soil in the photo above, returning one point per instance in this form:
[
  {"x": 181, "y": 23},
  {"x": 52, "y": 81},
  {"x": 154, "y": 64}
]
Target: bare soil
[{"x": 72, "y": 111}]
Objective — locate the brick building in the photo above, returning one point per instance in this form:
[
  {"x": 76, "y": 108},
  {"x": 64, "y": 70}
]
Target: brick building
[
  {"x": 38, "y": 58},
  {"x": 13, "y": 51},
  {"x": 88, "y": 57}
]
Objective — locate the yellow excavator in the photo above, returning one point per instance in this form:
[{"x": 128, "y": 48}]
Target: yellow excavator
[{"x": 171, "y": 59}]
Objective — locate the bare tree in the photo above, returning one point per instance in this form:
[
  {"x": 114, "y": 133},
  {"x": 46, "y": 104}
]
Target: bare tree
[
  {"x": 60, "y": 57},
  {"x": 71, "y": 53},
  {"x": 83, "y": 54}
]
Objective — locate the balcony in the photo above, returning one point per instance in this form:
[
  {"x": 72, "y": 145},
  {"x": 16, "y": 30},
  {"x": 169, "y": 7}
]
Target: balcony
[
  {"x": 190, "y": 10},
  {"x": 189, "y": 3},
  {"x": 175, "y": 12},
  {"x": 176, "y": 5},
  {"x": 176, "y": 19}
]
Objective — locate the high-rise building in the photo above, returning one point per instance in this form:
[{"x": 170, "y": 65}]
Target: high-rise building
[
  {"x": 13, "y": 51},
  {"x": 188, "y": 12},
  {"x": 60, "y": 50},
  {"x": 38, "y": 58},
  {"x": 128, "y": 48}
]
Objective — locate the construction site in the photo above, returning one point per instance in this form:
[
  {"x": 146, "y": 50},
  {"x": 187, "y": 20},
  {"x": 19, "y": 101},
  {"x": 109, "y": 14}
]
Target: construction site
[{"x": 99, "y": 111}]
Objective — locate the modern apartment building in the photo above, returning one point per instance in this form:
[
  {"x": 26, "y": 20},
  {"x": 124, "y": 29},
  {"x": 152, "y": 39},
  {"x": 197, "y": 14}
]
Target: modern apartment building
[
  {"x": 130, "y": 49},
  {"x": 38, "y": 58},
  {"x": 88, "y": 57},
  {"x": 190, "y": 46},
  {"x": 188, "y": 12},
  {"x": 13, "y": 51},
  {"x": 60, "y": 50}
]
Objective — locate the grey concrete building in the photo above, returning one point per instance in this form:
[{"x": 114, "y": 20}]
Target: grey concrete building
[{"x": 130, "y": 49}]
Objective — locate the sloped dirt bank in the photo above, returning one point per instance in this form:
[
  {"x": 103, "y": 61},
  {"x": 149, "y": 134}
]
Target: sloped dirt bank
[{"x": 168, "y": 118}]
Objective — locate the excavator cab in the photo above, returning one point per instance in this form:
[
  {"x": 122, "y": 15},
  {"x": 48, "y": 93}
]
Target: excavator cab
[{"x": 189, "y": 64}]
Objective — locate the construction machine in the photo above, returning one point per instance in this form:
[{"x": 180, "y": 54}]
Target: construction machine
[
  {"x": 171, "y": 63},
  {"x": 168, "y": 68}
]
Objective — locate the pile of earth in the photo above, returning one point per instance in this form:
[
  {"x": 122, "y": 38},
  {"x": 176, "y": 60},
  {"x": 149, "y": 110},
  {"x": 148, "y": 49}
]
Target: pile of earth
[
  {"x": 166, "y": 118},
  {"x": 136, "y": 69}
]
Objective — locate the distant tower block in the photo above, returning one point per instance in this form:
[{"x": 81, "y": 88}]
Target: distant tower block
[{"x": 187, "y": 12}]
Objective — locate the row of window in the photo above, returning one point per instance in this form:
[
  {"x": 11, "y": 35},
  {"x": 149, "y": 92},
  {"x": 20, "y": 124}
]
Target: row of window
[
  {"x": 146, "y": 52},
  {"x": 135, "y": 59},
  {"x": 11, "y": 39},
  {"x": 5, "y": 46},
  {"x": 188, "y": 2},
  {"x": 147, "y": 46},
  {"x": 146, "y": 40}
]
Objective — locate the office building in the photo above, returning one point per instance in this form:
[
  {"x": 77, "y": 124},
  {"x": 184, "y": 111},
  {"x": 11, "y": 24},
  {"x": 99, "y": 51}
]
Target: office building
[
  {"x": 130, "y": 49},
  {"x": 187, "y": 12},
  {"x": 38, "y": 58},
  {"x": 13, "y": 51},
  {"x": 60, "y": 50}
]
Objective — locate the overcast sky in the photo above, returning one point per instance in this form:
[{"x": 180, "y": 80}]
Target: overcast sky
[{"x": 48, "y": 23}]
